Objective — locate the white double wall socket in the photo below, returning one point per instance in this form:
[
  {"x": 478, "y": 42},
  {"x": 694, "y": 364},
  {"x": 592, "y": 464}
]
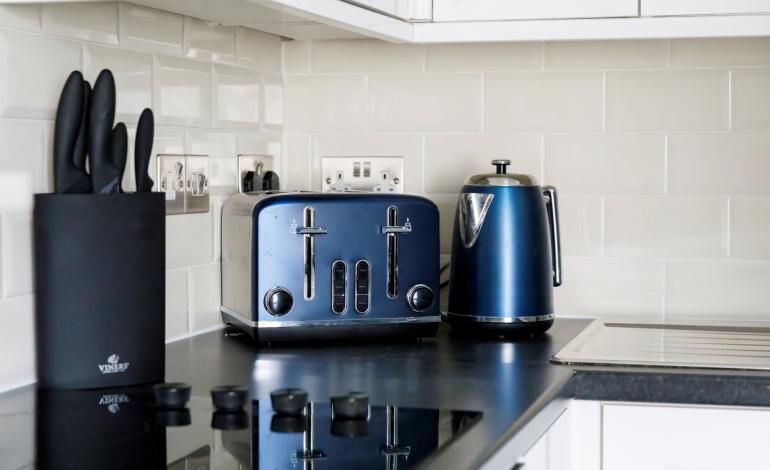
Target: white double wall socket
[
  {"x": 185, "y": 181},
  {"x": 365, "y": 173}
]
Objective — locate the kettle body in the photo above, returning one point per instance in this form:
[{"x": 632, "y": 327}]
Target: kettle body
[{"x": 505, "y": 256}]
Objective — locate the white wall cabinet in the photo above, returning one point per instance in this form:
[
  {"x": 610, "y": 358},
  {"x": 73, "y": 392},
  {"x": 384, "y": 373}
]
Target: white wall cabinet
[
  {"x": 497, "y": 10},
  {"x": 704, "y": 7}
]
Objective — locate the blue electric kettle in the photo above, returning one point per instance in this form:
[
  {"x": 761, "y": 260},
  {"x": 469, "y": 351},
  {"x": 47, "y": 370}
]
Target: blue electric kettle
[{"x": 505, "y": 255}]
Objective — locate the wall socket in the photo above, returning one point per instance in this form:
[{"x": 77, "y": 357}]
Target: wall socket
[
  {"x": 378, "y": 174},
  {"x": 185, "y": 181},
  {"x": 259, "y": 164}
]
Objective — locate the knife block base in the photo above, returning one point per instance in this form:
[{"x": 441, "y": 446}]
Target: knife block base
[{"x": 99, "y": 263}]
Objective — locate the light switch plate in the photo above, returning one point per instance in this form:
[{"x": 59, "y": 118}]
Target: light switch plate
[
  {"x": 185, "y": 181},
  {"x": 196, "y": 197},
  {"x": 171, "y": 181},
  {"x": 365, "y": 173},
  {"x": 252, "y": 162}
]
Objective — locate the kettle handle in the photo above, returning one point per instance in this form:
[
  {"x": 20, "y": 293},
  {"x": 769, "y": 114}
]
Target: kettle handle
[{"x": 552, "y": 208}]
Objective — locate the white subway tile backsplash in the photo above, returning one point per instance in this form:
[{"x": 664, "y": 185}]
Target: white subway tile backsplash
[
  {"x": 543, "y": 101},
  {"x": 606, "y": 55},
  {"x": 33, "y": 71},
  {"x": 177, "y": 318},
  {"x": 189, "y": 240},
  {"x": 365, "y": 55},
  {"x": 718, "y": 52},
  {"x": 325, "y": 103},
  {"x": 236, "y": 97},
  {"x": 21, "y": 163},
  {"x": 272, "y": 101},
  {"x": 425, "y": 102},
  {"x": 408, "y": 146},
  {"x": 605, "y": 163},
  {"x": 204, "y": 297},
  {"x": 734, "y": 163},
  {"x": 182, "y": 92},
  {"x": 21, "y": 16},
  {"x": 215, "y": 144},
  {"x": 580, "y": 224},
  {"x": 665, "y": 226},
  {"x": 483, "y": 56},
  {"x": 717, "y": 290},
  {"x": 259, "y": 50},
  {"x": 447, "y": 205},
  {"x": 750, "y": 227},
  {"x": 751, "y": 99},
  {"x": 17, "y": 253},
  {"x": 297, "y": 168},
  {"x": 614, "y": 287},
  {"x": 17, "y": 337},
  {"x": 89, "y": 21},
  {"x": 677, "y": 100},
  {"x": 295, "y": 56},
  {"x": 265, "y": 142},
  {"x": 150, "y": 30},
  {"x": 209, "y": 41},
  {"x": 451, "y": 158},
  {"x": 133, "y": 78}
]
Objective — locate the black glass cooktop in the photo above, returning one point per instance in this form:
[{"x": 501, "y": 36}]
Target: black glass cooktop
[{"x": 122, "y": 428}]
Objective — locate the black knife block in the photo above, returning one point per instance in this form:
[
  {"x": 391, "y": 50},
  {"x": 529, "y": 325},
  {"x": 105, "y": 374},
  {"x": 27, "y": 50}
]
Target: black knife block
[{"x": 99, "y": 262}]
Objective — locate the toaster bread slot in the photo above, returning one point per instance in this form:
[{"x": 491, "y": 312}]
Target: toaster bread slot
[
  {"x": 339, "y": 287},
  {"x": 308, "y": 232},
  {"x": 363, "y": 286},
  {"x": 391, "y": 231}
]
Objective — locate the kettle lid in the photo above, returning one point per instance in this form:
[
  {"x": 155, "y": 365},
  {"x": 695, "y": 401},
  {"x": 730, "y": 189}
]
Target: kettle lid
[{"x": 500, "y": 177}]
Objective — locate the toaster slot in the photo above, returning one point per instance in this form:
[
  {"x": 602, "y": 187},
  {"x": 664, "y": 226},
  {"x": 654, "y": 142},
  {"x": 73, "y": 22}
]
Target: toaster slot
[
  {"x": 339, "y": 287},
  {"x": 392, "y": 254},
  {"x": 308, "y": 232},
  {"x": 363, "y": 286},
  {"x": 392, "y": 230}
]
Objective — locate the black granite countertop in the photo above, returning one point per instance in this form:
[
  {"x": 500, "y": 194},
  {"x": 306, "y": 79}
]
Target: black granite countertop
[{"x": 510, "y": 382}]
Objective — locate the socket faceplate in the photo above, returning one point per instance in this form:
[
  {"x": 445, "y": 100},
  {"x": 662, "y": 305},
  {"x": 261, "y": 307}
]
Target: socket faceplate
[{"x": 365, "y": 173}]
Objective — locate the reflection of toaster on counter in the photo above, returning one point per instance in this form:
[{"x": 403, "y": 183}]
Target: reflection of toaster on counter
[{"x": 305, "y": 265}]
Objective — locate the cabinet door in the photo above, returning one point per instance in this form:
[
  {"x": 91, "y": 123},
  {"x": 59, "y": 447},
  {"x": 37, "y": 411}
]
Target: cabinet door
[
  {"x": 653, "y": 437},
  {"x": 703, "y": 7},
  {"x": 483, "y": 10}
]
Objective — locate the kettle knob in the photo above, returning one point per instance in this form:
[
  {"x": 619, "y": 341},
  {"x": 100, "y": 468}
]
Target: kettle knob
[{"x": 500, "y": 166}]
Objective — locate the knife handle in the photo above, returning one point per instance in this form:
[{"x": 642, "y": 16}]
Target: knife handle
[
  {"x": 145, "y": 133},
  {"x": 102, "y": 114},
  {"x": 66, "y": 128},
  {"x": 81, "y": 145},
  {"x": 119, "y": 151}
]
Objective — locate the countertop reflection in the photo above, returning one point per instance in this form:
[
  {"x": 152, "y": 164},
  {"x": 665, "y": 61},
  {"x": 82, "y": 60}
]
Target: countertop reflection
[{"x": 506, "y": 381}]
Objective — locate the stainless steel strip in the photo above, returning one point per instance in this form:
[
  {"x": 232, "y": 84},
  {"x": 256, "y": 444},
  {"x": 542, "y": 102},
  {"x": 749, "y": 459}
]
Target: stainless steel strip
[
  {"x": 326, "y": 323},
  {"x": 488, "y": 319}
]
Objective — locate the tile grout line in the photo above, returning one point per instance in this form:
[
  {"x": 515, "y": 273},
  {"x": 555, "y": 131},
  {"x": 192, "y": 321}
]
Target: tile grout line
[
  {"x": 666, "y": 189},
  {"x": 604, "y": 101},
  {"x": 730, "y": 100},
  {"x": 729, "y": 227}
]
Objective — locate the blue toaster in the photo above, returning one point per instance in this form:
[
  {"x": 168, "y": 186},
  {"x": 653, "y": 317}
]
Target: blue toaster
[{"x": 306, "y": 266}]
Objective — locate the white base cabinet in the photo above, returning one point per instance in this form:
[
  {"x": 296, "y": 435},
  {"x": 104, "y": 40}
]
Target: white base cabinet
[{"x": 592, "y": 435}]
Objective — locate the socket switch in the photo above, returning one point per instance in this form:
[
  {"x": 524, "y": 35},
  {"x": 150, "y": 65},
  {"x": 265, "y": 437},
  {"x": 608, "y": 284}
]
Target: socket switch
[{"x": 185, "y": 181}]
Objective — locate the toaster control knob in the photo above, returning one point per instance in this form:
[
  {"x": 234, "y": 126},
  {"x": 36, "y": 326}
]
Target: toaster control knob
[
  {"x": 420, "y": 297},
  {"x": 278, "y": 301}
]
